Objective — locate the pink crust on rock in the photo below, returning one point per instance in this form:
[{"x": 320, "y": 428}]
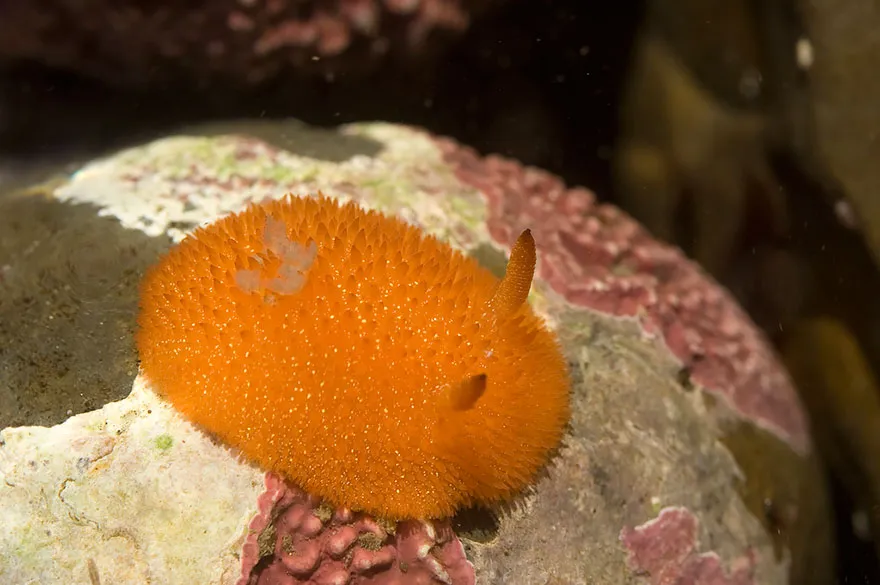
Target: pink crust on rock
[
  {"x": 330, "y": 32},
  {"x": 664, "y": 549},
  {"x": 344, "y": 548},
  {"x": 247, "y": 41},
  {"x": 598, "y": 257}
]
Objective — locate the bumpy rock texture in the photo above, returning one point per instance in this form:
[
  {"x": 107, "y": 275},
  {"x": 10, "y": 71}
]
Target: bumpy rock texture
[
  {"x": 297, "y": 541},
  {"x": 687, "y": 458}
]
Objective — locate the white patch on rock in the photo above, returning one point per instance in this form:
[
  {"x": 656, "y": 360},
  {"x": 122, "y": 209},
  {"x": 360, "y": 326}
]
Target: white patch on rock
[
  {"x": 172, "y": 185},
  {"x": 133, "y": 489}
]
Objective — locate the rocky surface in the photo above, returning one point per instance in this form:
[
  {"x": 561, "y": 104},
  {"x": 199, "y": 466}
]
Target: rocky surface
[
  {"x": 688, "y": 458},
  {"x": 71, "y": 277},
  {"x": 294, "y": 539},
  {"x": 774, "y": 191},
  {"x": 241, "y": 42},
  {"x": 129, "y": 491}
]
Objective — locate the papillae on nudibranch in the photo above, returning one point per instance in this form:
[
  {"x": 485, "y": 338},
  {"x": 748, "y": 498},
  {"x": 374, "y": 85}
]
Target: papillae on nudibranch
[{"x": 365, "y": 361}]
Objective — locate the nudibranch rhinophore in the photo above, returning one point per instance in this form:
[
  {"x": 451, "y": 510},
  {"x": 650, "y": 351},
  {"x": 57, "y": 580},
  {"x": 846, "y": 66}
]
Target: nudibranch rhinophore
[{"x": 367, "y": 362}]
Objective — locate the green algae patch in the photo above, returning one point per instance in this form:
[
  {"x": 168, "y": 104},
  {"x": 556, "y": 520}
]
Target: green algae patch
[{"x": 164, "y": 442}]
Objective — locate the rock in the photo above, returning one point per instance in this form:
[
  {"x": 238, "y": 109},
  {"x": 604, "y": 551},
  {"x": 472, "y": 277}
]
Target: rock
[
  {"x": 130, "y": 489},
  {"x": 774, "y": 193},
  {"x": 69, "y": 277},
  {"x": 242, "y": 43},
  {"x": 688, "y": 457}
]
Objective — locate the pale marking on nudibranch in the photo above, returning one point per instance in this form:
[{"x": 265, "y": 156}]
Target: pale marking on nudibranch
[{"x": 296, "y": 260}]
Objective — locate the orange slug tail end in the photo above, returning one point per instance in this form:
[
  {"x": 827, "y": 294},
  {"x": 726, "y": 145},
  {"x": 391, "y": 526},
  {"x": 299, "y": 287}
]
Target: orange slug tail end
[{"x": 514, "y": 288}]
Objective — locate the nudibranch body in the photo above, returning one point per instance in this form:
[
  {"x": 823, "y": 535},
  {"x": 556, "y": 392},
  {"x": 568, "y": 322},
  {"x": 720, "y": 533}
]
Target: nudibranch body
[{"x": 372, "y": 365}]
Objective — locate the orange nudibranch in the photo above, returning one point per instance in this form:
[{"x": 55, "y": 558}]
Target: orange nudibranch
[{"x": 367, "y": 362}]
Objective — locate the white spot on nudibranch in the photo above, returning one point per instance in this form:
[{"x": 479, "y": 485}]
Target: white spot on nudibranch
[{"x": 296, "y": 260}]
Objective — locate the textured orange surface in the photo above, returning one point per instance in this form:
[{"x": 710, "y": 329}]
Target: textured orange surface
[{"x": 367, "y": 362}]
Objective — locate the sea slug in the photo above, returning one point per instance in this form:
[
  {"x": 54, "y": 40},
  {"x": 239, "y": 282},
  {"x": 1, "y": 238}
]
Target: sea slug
[{"x": 367, "y": 362}]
